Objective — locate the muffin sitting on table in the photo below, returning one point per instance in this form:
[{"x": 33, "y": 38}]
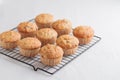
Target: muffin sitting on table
[
  {"x": 8, "y": 39},
  {"x": 27, "y": 29},
  {"x": 84, "y": 34},
  {"x": 44, "y": 20}
]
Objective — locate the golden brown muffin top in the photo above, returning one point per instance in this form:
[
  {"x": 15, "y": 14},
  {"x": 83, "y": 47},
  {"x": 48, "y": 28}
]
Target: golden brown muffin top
[
  {"x": 83, "y": 32},
  {"x": 46, "y": 33},
  {"x": 27, "y": 27},
  {"x": 44, "y": 18},
  {"x": 10, "y": 36},
  {"x": 51, "y": 51},
  {"x": 67, "y": 41},
  {"x": 29, "y": 43},
  {"x": 62, "y": 24}
]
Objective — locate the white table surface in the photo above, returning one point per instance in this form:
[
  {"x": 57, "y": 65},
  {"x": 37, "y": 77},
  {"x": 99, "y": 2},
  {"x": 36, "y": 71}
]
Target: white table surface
[{"x": 101, "y": 62}]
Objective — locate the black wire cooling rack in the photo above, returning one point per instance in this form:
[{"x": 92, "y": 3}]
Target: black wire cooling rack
[{"x": 35, "y": 62}]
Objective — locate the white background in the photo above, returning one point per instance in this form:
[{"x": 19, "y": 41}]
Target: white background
[{"x": 101, "y": 62}]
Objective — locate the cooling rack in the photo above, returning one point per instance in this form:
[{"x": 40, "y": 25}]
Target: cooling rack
[{"x": 35, "y": 62}]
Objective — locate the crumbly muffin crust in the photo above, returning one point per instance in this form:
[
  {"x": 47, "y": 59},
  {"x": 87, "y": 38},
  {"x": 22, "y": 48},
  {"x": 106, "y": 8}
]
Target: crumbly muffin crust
[
  {"x": 83, "y": 32},
  {"x": 29, "y": 43},
  {"x": 27, "y": 27},
  {"x": 62, "y": 24},
  {"x": 10, "y": 36},
  {"x": 51, "y": 51},
  {"x": 67, "y": 41},
  {"x": 44, "y": 18},
  {"x": 46, "y": 33}
]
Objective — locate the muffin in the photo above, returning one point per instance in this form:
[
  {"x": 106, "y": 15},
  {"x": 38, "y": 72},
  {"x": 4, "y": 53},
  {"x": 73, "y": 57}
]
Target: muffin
[
  {"x": 27, "y": 29},
  {"x": 47, "y": 35},
  {"x": 29, "y": 46},
  {"x": 51, "y": 55},
  {"x": 68, "y": 43},
  {"x": 84, "y": 34},
  {"x": 8, "y": 39},
  {"x": 62, "y": 26},
  {"x": 44, "y": 20}
]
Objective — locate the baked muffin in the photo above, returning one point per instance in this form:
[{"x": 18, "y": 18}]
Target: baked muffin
[
  {"x": 51, "y": 55},
  {"x": 27, "y": 29},
  {"x": 29, "y": 46},
  {"x": 47, "y": 35},
  {"x": 62, "y": 26},
  {"x": 68, "y": 43},
  {"x": 8, "y": 39},
  {"x": 84, "y": 34},
  {"x": 44, "y": 20}
]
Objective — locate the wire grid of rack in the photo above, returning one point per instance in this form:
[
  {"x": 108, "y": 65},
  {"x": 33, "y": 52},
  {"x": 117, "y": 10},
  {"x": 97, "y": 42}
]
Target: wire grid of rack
[{"x": 36, "y": 63}]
